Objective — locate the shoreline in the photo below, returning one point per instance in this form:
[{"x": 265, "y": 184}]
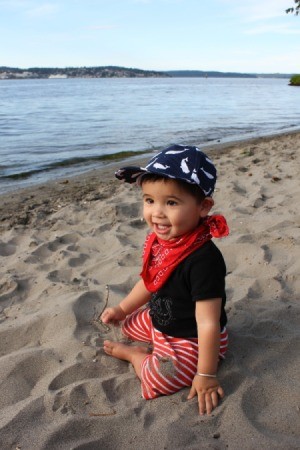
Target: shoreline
[
  {"x": 63, "y": 242},
  {"x": 213, "y": 148},
  {"x": 22, "y": 205},
  {"x": 143, "y": 155}
]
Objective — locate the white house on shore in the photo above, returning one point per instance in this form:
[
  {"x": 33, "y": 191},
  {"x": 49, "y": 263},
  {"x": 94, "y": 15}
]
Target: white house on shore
[{"x": 58, "y": 75}]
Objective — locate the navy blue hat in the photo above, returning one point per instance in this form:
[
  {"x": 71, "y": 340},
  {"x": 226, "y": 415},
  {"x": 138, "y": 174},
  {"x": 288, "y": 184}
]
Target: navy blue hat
[{"x": 182, "y": 162}]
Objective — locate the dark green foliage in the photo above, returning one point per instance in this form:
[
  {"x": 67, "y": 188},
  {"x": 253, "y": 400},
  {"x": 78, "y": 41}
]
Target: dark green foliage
[
  {"x": 295, "y": 80},
  {"x": 296, "y": 9}
]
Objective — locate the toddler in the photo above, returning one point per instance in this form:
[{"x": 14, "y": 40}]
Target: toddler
[{"x": 178, "y": 304}]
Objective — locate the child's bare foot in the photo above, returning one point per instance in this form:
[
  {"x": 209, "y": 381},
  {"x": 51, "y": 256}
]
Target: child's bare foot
[
  {"x": 133, "y": 354},
  {"x": 123, "y": 351}
]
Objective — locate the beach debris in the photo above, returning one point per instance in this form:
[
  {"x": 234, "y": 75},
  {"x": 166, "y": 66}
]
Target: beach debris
[
  {"x": 256, "y": 160},
  {"x": 275, "y": 179},
  {"x": 243, "y": 169},
  {"x": 248, "y": 152}
]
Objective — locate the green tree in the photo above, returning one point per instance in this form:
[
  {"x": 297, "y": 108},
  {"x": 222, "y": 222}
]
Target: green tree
[
  {"x": 295, "y": 80},
  {"x": 295, "y": 10}
]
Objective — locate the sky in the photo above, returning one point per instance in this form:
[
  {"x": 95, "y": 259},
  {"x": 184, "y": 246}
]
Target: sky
[{"x": 255, "y": 36}]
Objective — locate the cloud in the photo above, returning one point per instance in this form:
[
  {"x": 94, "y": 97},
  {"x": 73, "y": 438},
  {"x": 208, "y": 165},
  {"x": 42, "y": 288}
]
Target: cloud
[
  {"x": 14, "y": 4},
  {"x": 101, "y": 27},
  {"x": 157, "y": 1},
  {"x": 258, "y": 10},
  {"x": 274, "y": 29},
  {"x": 44, "y": 10},
  {"x": 30, "y": 8}
]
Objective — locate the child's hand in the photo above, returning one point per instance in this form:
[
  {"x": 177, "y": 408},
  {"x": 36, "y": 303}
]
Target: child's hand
[
  {"x": 208, "y": 391},
  {"x": 114, "y": 314}
]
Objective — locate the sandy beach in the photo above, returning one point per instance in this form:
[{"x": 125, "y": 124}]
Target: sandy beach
[{"x": 63, "y": 243}]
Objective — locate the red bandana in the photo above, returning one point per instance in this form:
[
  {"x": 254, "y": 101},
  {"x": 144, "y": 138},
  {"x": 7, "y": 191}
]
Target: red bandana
[{"x": 161, "y": 257}]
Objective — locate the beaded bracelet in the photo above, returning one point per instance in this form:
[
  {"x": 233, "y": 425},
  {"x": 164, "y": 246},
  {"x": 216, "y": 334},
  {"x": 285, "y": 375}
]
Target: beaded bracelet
[{"x": 205, "y": 375}]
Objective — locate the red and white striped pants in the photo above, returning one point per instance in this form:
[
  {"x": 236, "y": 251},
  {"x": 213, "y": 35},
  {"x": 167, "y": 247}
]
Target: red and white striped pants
[{"x": 173, "y": 362}]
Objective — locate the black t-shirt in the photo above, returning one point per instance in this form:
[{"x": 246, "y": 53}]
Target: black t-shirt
[{"x": 200, "y": 276}]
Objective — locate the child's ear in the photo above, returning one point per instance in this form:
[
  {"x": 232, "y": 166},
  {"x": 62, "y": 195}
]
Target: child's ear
[{"x": 206, "y": 206}]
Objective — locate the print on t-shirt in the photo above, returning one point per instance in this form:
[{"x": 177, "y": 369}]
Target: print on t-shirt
[{"x": 161, "y": 309}]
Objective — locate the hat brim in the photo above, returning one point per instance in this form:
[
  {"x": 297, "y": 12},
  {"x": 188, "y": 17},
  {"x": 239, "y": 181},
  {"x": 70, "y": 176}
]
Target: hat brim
[{"x": 130, "y": 174}]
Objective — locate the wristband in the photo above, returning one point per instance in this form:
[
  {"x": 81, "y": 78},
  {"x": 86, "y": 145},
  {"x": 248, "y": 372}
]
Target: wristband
[{"x": 205, "y": 375}]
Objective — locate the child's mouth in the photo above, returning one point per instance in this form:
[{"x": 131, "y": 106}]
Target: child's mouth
[{"x": 161, "y": 229}]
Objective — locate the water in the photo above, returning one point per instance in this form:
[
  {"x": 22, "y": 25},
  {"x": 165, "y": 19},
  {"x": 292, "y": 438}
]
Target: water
[{"x": 60, "y": 127}]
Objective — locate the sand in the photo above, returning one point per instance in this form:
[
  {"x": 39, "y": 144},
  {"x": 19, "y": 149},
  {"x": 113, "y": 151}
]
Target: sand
[{"x": 62, "y": 243}]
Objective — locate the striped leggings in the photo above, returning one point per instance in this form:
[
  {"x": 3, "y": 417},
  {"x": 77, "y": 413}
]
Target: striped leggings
[{"x": 173, "y": 362}]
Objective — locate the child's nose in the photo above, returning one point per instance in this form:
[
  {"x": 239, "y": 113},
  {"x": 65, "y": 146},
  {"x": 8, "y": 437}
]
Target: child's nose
[{"x": 158, "y": 211}]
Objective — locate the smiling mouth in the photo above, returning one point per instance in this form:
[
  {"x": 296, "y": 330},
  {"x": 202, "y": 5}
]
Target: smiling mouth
[{"x": 161, "y": 228}]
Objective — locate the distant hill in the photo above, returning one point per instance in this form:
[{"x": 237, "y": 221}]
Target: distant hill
[
  {"x": 206, "y": 74},
  {"x": 119, "y": 72},
  {"x": 78, "y": 72},
  {"x": 215, "y": 74}
]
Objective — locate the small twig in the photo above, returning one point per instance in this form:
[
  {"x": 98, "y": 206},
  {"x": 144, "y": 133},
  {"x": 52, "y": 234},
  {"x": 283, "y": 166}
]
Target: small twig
[
  {"x": 96, "y": 319},
  {"x": 106, "y": 301}
]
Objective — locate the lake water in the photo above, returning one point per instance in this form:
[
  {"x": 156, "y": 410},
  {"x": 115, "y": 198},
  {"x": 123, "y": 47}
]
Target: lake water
[{"x": 60, "y": 127}]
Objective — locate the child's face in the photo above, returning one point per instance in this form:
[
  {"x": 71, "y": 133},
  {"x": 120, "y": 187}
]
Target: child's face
[{"x": 169, "y": 210}]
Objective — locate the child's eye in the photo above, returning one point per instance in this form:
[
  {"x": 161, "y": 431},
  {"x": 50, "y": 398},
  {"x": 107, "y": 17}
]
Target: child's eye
[
  {"x": 149, "y": 201},
  {"x": 172, "y": 203}
]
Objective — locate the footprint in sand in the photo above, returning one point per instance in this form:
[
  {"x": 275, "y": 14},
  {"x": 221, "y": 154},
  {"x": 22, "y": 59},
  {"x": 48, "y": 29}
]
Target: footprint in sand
[
  {"x": 24, "y": 370},
  {"x": 122, "y": 387},
  {"x": 239, "y": 189},
  {"x": 8, "y": 248},
  {"x": 128, "y": 210},
  {"x": 13, "y": 291},
  {"x": 46, "y": 250},
  {"x": 27, "y": 335},
  {"x": 88, "y": 370},
  {"x": 84, "y": 309},
  {"x": 79, "y": 260},
  {"x": 87, "y": 397},
  {"x": 61, "y": 276},
  {"x": 89, "y": 330},
  {"x": 139, "y": 223},
  {"x": 267, "y": 253},
  {"x": 263, "y": 408},
  {"x": 8, "y": 288},
  {"x": 66, "y": 239},
  {"x": 75, "y": 374},
  {"x": 132, "y": 259}
]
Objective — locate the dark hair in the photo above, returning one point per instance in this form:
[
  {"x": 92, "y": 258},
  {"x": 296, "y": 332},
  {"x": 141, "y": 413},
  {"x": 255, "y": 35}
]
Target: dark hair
[{"x": 192, "y": 189}]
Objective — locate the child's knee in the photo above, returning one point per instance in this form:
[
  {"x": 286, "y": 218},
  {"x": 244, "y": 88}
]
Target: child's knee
[
  {"x": 159, "y": 376},
  {"x": 167, "y": 367}
]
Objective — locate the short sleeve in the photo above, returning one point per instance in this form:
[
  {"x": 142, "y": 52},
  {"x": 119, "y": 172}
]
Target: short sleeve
[{"x": 206, "y": 273}]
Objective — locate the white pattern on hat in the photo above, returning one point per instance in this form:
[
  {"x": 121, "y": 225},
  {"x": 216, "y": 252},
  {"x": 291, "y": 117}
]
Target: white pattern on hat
[
  {"x": 160, "y": 166},
  {"x": 195, "y": 177},
  {"x": 186, "y": 163},
  {"x": 183, "y": 166},
  {"x": 209, "y": 175},
  {"x": 175, "y": 152}
]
